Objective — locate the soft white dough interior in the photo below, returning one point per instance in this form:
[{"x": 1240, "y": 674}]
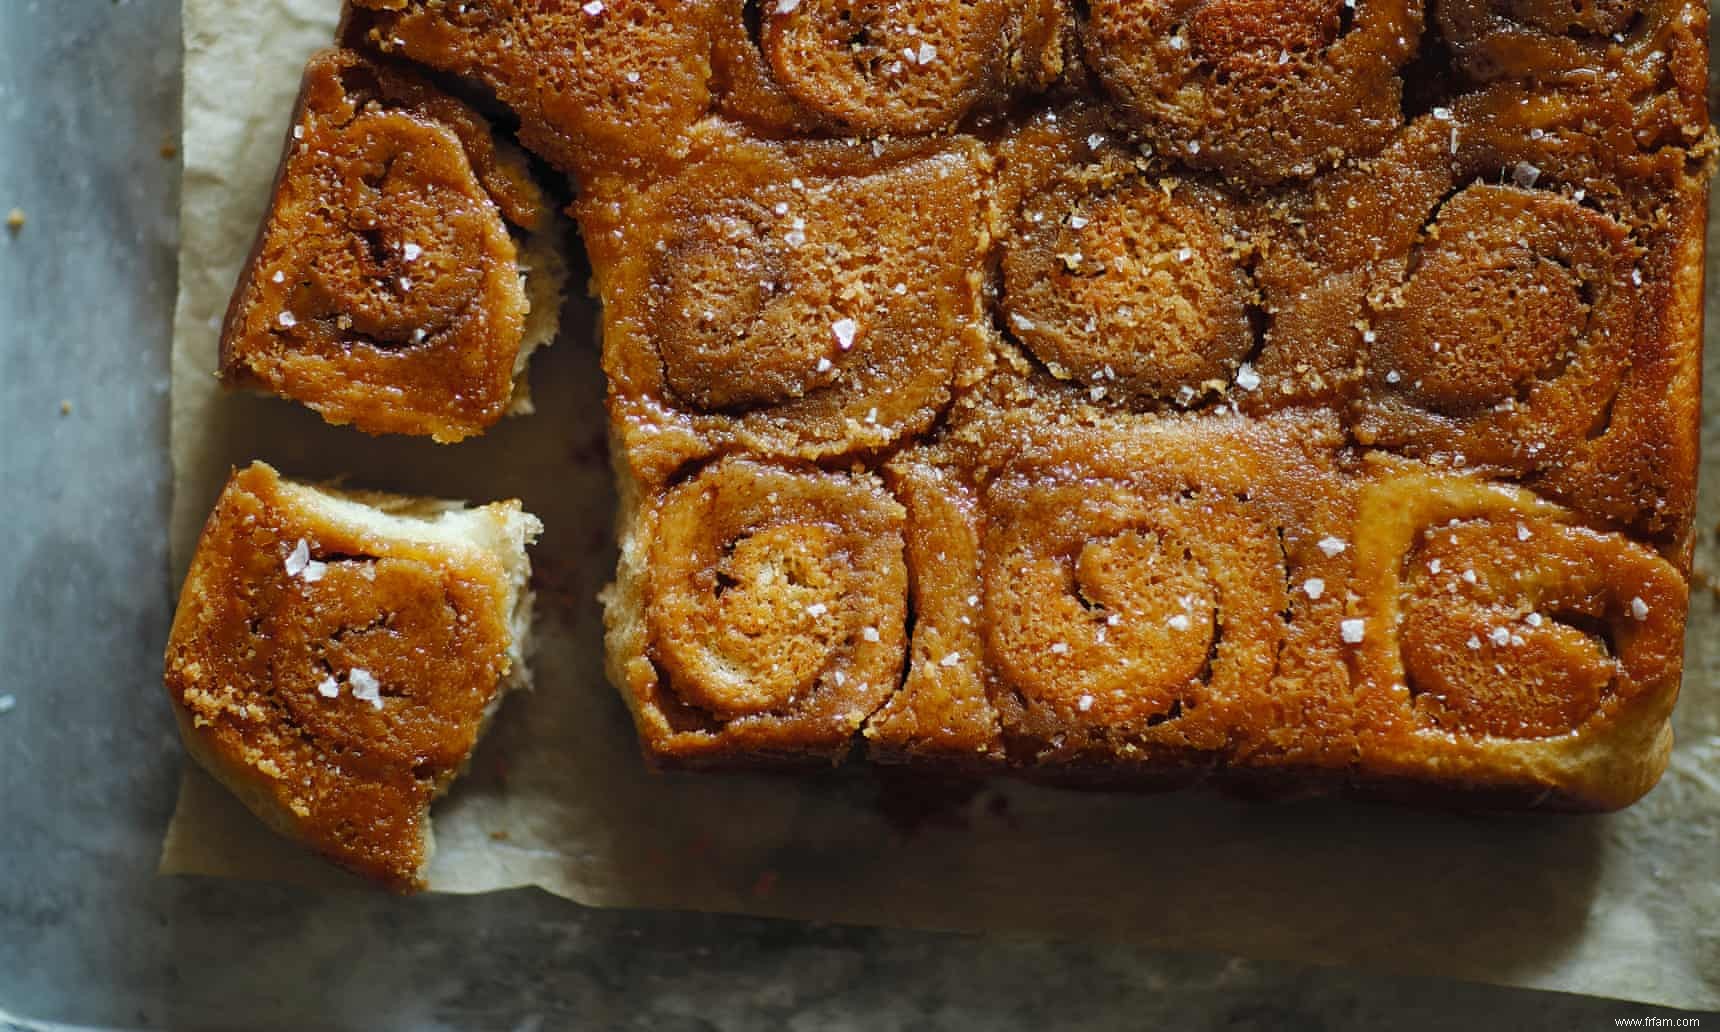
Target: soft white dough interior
[{"x": 543, "y": 270}]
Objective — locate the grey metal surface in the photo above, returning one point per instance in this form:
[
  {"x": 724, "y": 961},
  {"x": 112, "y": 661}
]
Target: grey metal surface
[{"x": 88, "y": 761}]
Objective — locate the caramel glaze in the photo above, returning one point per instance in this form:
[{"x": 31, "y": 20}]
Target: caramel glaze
[
  {"x": 385, "y": 289},
  {"x": 256, "y": 649},
  {"x": 1139, "y": 374}
]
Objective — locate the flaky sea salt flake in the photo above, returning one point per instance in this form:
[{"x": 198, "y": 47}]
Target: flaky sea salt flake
[
  {"x": 365, "y": 687},
  {"x": 844, "y": 329},
  {"x": 298, "y": 558}
]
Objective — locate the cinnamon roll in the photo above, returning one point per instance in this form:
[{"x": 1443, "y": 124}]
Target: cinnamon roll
[
  {"x": 1258, "y": 90},
  {"x": 336, "y": 655},
  {"x": 594, "y": 85},
  {"x": 1653, "y": 53},
  {"x": 1514, "y": 321},
  {"x": 877, "y": 67},
  {"x": 1134, "y": 288},
  {"x": 1483, "y": 293},
  {"x": 809, "y": 300},
  {"x": 760, "y": 613},
  {"x": 386, "y": 289},
  {"x": 1512, "y": 645}
]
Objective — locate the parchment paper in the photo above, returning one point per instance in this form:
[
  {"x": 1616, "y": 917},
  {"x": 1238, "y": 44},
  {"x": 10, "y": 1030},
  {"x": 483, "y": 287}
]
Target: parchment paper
[{"x": 1626, "y": 905}]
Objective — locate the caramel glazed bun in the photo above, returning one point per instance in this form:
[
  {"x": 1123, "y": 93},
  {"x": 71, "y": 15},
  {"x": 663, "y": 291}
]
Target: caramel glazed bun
[
  {"x": 406, "y": 269},
  {"x": 1296, "y": 392},
  {"x": 336, "y": 655}
]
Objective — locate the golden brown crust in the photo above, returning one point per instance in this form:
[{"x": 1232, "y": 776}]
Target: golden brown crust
[
  {"x": 385, "y": 290},
  {"x": 335, "y": 672}
]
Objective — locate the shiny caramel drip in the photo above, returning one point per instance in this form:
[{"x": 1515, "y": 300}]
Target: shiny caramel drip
[{"x": 1650, "y": 53}]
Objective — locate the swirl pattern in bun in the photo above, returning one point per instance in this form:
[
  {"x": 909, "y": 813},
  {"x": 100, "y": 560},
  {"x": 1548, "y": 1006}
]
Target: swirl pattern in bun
[
  {"x": 875, "y": 67},
  {"x": 1485, "y": 293},
  {"x": 760, "y": 613},
  {"x": 386, "y": 288},
  {"x": 1650, "y": 53},
  {"x": 1135, "y": 289},
  {"x": 1258, "y": 90},
  {"x": 1126, "y": 595},
  {"x": 1512, "y": 643},
  {"x": 804, "y": 300}
]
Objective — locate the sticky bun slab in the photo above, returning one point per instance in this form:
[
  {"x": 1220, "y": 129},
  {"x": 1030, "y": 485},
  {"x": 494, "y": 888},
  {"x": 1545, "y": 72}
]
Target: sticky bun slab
[
  {"x": 405, "y": 270},
  {"x": 799, "y": 300},
  {"x": 1298, "y": 394},
  {"x": 336, "y": 655},
  {"x": 759, "y": 614},
  {"x": 1510, "y": 645}
]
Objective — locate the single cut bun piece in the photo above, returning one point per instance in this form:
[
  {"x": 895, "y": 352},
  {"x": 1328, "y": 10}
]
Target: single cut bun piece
[
  {"x": 337, "y": 654},
  {"x": 407, "y": 267}
]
